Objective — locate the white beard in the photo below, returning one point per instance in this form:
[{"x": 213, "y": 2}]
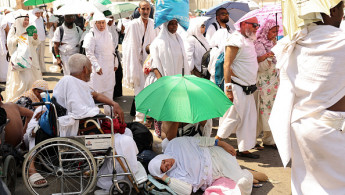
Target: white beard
[{"x": 250, "y": 35}]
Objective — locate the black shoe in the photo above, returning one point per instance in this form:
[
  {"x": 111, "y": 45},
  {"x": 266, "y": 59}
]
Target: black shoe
[
  {"x": 248, "y": 155},
  {"x": 271, "y": 146}
]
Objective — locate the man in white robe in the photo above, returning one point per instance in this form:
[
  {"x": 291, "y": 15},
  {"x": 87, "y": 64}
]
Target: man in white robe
[
  {"x": 240, "y": 72},
  {"x": 308, "y": 116},
  {"x": 69, "y": 44},
  {"x": 3, "y": 49},
  {"x": 39, "y": 24},
  {"x": 222, "y": 17},
  {"x": 139, "y": 33}
]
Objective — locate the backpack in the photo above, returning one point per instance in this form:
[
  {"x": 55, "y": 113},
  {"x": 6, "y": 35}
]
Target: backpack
[
  {"x": 216, "y": 27},
  {"x": 205, "y": 60},
  {"x": 62, "y": 31},
  {"x": 141, "y": 135},
  {"x": 219, "y": 72}
]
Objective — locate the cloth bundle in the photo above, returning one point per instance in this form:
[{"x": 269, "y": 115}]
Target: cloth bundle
[{"x": 167, "y": 10}]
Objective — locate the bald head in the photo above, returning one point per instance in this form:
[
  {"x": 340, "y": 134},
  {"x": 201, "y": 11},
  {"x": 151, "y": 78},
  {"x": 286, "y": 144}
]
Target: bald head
[
  {"x": 77, "y": 62},
  {"x": 144, "y": 9},
  {"x": 143, "y": 2}
]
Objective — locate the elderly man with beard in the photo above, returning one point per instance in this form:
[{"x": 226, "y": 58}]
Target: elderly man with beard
[
  {"x": 139, "y": 33},
  {"x": 240, "y": 72},
  {"x": 67, "y": 44},
  {"x": 222, "y": 17}
]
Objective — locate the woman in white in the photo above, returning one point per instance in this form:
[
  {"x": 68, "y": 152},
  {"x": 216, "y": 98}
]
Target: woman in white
[
  {"x": 20, "y": 81},
  {"x": 196, "y": 44},
  {"x": 189, "y": 164},
  {"x": 3, "y": 49},
  {"x": 99, "y": 48},
  {"x": 168, "y": 54}
]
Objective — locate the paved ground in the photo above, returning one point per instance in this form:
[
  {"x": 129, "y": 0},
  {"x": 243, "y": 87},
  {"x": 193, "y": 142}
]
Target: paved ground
[{"x": 269, "y": 162}]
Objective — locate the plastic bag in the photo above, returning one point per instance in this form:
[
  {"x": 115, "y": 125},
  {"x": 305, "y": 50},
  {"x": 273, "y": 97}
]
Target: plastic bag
[
  {"x": 167, "y": 10},
  {"x": 22, "y": 58}
]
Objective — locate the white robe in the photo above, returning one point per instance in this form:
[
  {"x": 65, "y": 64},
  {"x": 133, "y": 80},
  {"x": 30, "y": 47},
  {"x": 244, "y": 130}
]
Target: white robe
[
  {"x": 302, "y": 127},
  {"x": 3, "y": 50},
  {"x": 168, "y": 54},
  {"x": 39, "y": 24},
  {"x": 19, "y": 82},
  {"x": 74, "y": 95},
  {"x": 209, "y": 163},
  {"x": 134, "y": 53},
  {"x": 70, "y": 40},
  {"x": 241, "y": 117},
  {"x": 100, "y": 50},
  {"x": 217, "y": 43}
]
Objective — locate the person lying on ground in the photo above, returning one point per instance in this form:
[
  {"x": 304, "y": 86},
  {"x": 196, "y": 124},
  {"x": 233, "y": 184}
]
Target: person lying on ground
[{"x": 192, "y": 163}]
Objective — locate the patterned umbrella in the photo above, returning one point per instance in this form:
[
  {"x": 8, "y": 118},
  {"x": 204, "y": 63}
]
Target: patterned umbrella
[{"x": 266, "y": 13}]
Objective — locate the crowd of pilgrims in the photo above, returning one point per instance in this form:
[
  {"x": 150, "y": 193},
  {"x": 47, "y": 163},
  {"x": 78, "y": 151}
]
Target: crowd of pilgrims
[{"x": 147, "y": 55}]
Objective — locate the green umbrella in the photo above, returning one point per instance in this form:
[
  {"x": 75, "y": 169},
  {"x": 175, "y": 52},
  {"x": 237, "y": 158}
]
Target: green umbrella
[
  {"x": 36, "y": 2},
  {"x": 179, "y": 98},
  {"x": 119, "y": 8}
]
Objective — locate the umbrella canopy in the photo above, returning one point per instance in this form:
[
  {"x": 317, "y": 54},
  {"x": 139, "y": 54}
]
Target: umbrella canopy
[
  {"x": 36, "y": 2},
  {"x": 273, "y": 12},
  {"x": 236, "y": 11},
  {"x": 76, "y": 7},
  {"x": 188, "y": 99}
]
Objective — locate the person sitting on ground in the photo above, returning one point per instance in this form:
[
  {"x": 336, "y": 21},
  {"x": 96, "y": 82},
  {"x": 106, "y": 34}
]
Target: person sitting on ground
[
  {"x": 15, "y": 129},
  {"x": 33, "y": 95},
  {"x": 192, "y": 163},
  {"x": 73, "y": 93}
]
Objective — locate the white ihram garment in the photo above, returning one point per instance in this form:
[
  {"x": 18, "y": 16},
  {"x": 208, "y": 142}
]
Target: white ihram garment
[
  {"x": 134, "y": 54},
  {"x": 241, "y": 117},
  {"x": 39, "y": 24},
  {"x": 302, "y": 127},
  {"x": 3, "y": 50},
  {"x": 70, "y": 41}
]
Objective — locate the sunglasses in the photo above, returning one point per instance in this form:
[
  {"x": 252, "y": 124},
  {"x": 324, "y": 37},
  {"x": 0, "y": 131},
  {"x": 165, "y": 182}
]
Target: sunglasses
[{"x": 254, "y": 24}]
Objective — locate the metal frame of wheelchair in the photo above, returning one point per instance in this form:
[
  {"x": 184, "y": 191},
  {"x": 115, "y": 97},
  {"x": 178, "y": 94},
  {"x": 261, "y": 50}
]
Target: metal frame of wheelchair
[
  {"x": 70, "y": 167},
  {"x": 7, "y": 163}
]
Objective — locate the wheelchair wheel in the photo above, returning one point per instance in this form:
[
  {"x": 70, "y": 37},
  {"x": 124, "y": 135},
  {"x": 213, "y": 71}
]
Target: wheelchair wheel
[
  {"x": 66, "y": 165},
  {"x": 124, "y": 186},
  {"x": 10, "y": 173}
]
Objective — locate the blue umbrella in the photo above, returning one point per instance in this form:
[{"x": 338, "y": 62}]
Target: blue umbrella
[{"x": 236, "y": 11}]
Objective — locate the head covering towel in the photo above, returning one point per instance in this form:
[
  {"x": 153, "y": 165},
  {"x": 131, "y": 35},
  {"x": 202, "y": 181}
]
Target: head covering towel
[
  {"x": 262, "y": 44},
  {"x": 39, "y": 84}
]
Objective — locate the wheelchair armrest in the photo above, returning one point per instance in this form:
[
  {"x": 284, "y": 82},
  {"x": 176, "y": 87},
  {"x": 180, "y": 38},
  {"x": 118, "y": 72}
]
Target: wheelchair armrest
[
  {"x": 38, "y": 104},
  {"x": 98, "y": 116}
]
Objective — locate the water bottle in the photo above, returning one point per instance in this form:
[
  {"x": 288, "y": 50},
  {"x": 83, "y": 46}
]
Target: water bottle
[{"x": 45, "y": 98}]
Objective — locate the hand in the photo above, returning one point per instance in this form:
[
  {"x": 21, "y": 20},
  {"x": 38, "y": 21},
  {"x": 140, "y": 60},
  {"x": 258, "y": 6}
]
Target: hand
[
  {"x": 59, "y": 62},
  {"x": 100, "y": 72},
  {"x": 115, "y": 69},
  {"x": 227, "y": 147},
  {"x": 38, "y": 115},
  {"x": 230, "y": 95},
  {"x": 34, "y": 36},
  {"x": 118, "y": 112}
]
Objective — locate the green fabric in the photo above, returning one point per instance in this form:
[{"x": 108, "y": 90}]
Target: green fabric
[
  {"x": 186, "y": 99},
  {"x": 31, "y": 30},
  {"x": 107, "y": 13},
  {"x": 122, "y": 7},
  {"x": 36, "y": 2},
  {"x": 104, "y": 2}
]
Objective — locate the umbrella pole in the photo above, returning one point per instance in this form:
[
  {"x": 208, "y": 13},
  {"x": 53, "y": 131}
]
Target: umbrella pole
[
  {"x": 182, "y": 71},
  {"x": 277, "y": 24}
]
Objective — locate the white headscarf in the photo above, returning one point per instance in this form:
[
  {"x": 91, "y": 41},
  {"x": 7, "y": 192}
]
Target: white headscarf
[
  {"x": 101, "y": 36},
  {"x": 20, "y": 16},
  {"x": 167, "y": 43},
  {"x": 194, "y": 30},
  {"x": 155, "y": 165}
]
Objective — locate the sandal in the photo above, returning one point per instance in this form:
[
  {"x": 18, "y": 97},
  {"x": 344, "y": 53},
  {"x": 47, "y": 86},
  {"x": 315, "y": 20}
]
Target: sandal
[
  {"x": 35, "y": 178},
  {"x": 259, "y": 147},
  {"x": 248, "y": 155}
]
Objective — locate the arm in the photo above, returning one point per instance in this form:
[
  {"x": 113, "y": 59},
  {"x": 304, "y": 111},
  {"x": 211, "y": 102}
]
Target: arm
[
  {"x": 265, "y": 56},
  {"x": 116, "y": 107},
  {"x": 26, "y": 113},
  {"x": 157, "y": 73},
  {"x": 230, "y": 55},
  {"x": 178, "y": 186},
  {"x": 33, "y": 40},
  {"x": 12, "y": 41}
]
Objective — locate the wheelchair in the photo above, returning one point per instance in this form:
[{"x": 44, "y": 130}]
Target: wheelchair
[
  {"x": 8, "y": 167},
  {"x": 70, "y": 164}
]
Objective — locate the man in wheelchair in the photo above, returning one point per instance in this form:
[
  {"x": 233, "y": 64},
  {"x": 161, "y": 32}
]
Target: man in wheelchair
[{"x": 74, "y": 93}]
